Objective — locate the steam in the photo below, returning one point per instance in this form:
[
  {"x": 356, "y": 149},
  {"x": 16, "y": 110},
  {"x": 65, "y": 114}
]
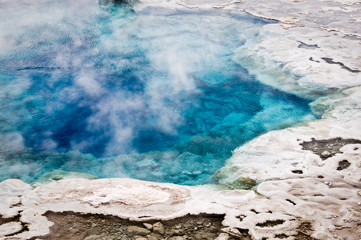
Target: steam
[{"x": 115, "y": 93}]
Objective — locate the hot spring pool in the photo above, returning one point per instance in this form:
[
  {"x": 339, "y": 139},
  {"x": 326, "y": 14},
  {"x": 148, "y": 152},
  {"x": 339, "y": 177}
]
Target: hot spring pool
[{"x": 152, "y": 95}]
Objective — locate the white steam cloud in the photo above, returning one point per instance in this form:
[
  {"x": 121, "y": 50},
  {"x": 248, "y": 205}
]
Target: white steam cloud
[{"x": 129, "y": 72}]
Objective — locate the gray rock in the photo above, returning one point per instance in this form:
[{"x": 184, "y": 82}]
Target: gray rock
[
  {"x": 207, "y": 223},
  {"x": 141, "y": 238},
  {"x": 199, "y": 221},
  {"x": 135, "y": 230},
  {"x": 204, "y": 236},
  {"x": 153, "y": 237},
  {"x": 176, "y": 238},
  {"x": 325, "y": 154},
  {"x": 198, "y": 236},
  {"x": 93, "y": 237},
  {"x": 158, "y": 228},
  {"x": 222, "y": 236},
  {"x": 179, "y": 232},
  {"x": 170, "y": 231},
  {"x": 148, "y": 226}
]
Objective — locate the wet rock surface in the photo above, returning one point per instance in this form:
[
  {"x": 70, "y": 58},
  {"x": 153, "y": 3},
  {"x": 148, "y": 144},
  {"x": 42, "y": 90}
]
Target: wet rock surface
[
  {"x": 327, "y": 148},
  {"x": 70, "y": 225},
  {"x": 343, "y": 165}
]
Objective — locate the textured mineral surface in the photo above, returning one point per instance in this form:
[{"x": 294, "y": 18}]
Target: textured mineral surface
[{"x": 302, "y": 182}]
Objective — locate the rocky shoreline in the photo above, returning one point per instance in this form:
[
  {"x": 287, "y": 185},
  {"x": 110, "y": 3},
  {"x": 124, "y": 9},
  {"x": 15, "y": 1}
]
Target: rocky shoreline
[
  {"x": 89, "y": 227},
  {"x": 305, "y": 181}
]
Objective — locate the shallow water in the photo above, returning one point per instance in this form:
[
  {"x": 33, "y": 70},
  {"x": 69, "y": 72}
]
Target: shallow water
[{"x": 153, "y": 95}]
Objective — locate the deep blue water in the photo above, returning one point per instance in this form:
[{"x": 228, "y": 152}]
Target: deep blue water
[{"x": 152, "y": 95}]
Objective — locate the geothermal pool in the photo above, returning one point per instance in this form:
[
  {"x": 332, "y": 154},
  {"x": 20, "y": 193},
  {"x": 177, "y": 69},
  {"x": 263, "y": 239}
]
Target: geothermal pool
[{"x": 154, "y": 94}]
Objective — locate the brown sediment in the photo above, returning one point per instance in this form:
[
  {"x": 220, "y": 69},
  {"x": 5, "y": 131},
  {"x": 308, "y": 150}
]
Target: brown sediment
[{"x": 75, "y": 226}]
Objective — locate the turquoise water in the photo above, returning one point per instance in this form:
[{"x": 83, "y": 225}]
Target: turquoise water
[{"x": 152, "y": 95}]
